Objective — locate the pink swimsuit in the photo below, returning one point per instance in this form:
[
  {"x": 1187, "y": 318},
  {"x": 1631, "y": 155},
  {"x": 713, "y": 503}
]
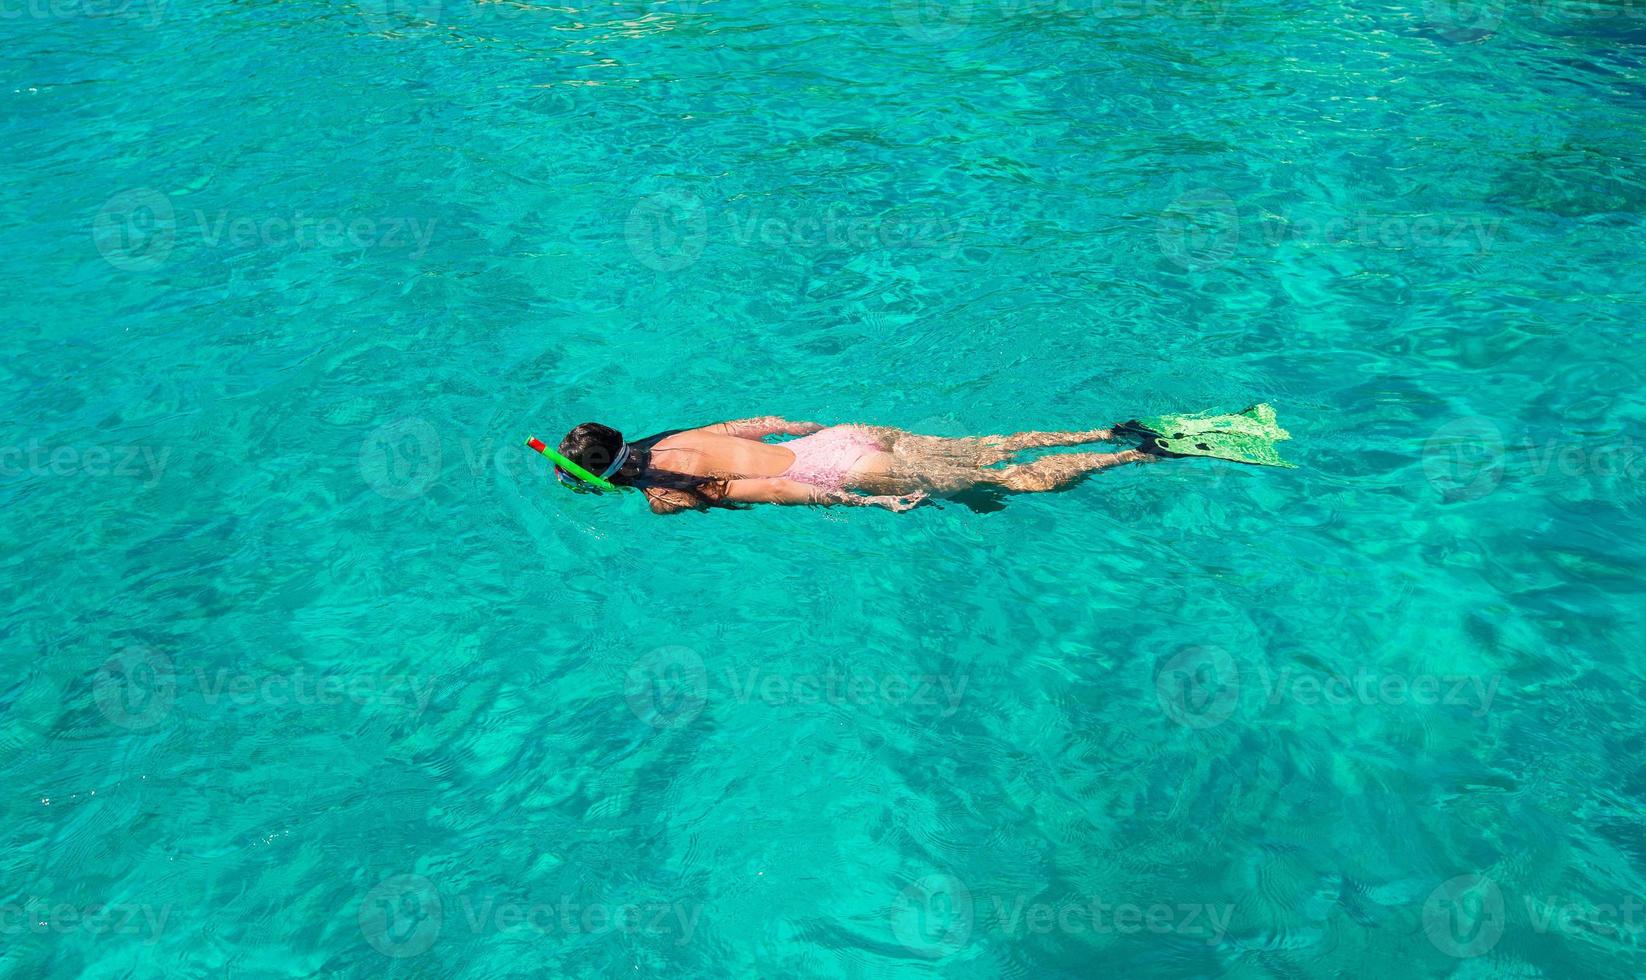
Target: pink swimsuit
[{"x": 824, "y": 459}]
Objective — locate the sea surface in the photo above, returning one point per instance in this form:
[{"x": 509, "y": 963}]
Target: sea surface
[{"x": 310, "y": 670}]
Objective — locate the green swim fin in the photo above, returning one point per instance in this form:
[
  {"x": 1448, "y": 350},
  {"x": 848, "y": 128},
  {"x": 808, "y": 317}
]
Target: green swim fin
[{"x": 1246, "y": 437}]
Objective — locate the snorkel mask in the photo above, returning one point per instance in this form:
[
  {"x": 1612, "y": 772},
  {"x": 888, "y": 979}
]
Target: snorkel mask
[{"x": 576, "y": 478}]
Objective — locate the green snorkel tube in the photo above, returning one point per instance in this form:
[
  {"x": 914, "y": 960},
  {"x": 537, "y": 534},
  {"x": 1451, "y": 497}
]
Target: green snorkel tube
[{"x": 594, "y": 482}]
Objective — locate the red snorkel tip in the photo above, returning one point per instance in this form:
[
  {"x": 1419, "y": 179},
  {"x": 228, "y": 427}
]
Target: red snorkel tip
[{"x": 536, "y": 443}]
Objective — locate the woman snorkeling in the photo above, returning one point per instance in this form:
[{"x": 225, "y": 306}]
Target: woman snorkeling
[{"x": 729, "y": 464}]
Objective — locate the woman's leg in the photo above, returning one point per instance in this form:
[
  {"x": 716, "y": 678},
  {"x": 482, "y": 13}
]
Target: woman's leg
[
  {"x": 910, "y": 461},
  {"x": 1018, "y": 441},
  {"x": 884, "y": 473},
  {"x": 1057, "y": 472},
  {"x": 945, "y": 453},
  {"x": 888, "y": 439}
]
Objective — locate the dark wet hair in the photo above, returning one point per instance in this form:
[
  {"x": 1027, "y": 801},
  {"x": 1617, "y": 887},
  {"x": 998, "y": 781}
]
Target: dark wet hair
[{"x": 593, "y": 446}]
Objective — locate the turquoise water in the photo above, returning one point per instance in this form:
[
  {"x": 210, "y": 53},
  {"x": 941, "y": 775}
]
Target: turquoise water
[{"x": 312, "y": 672}]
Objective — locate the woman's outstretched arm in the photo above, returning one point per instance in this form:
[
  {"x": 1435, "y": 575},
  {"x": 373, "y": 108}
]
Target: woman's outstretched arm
[
  {"x": 759, "y": 428},
  {"x": 777, "y": 490}
]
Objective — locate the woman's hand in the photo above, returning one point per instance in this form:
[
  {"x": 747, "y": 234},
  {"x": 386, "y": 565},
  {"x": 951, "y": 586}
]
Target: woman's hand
[
  {"x": 801, "y": 428},
  {"x": 899, "y": 504}
]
